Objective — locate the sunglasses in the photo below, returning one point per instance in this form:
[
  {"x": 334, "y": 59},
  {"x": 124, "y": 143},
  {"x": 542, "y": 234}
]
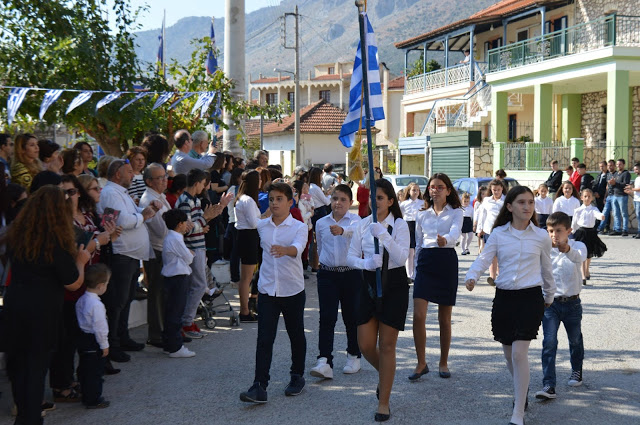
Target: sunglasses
[{"x": 71, "y": 192}]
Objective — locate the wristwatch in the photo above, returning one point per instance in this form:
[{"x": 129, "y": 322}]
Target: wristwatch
[{"x": 97, "y": 244}]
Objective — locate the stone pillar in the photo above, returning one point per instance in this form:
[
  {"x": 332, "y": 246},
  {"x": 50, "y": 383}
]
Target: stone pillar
[
  {"x": 234, "y": 66},
  {"x": 543, "y": 113},
  {"x": 571, "y": 116},
  {"x": 577, "y": 148},
  {"x": 498, "y": 156},
  {"x": 618, "y": 123},
  {"x": 499, "y": 116}
]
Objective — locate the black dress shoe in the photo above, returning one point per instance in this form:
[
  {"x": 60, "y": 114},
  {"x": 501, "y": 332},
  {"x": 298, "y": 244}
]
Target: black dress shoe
[
  {"x": 382, "y": 417},
  {"x": 109, "y": 369},
  {"x": 416, "y": 376},
  {"x": 444, "y": 374},
  {"x": 155, "y": 344},
  {"x": 119, "y": 356},
  {"x": 131, "y": 345}
]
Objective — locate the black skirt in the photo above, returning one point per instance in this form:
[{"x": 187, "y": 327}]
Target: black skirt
[
  {"x": 542, "y": 221},
  {"x": 516, "y": 315},
  {"x": 436, "y": 277},
  {"x": 589, "y": 237},
  {"x": 412, "y": 233},
  {"x": 395, "y": 299},
  {"x": 248, "y": 243},
  {"x": 467, "y": 225}
]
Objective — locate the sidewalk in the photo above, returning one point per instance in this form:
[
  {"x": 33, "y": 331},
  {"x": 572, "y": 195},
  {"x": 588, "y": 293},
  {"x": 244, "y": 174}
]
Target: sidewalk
[{"x": 153, "y": 389}]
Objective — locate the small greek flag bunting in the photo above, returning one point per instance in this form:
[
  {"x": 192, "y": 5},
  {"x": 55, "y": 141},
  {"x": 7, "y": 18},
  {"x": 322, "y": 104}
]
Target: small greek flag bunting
[
  {"x": 79, "y": 100},
  {"x": 351, "y": 122},
  {"x": 135, "y": 99},
  {"x": 49, "y": 99},
  {"x": 205, "y": 97},
  {"x": 216, "y": 113},
  {"x": 185, "y": 96},
  {"x": 207, "y": 103},
  {"x": 108, "y": 99},
  {"x": 162, "y": 99},
  {"x": 16, "y": 96}
]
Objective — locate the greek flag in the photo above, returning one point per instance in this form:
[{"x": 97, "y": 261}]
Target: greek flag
[
  {"x": 207, "y": 102},
  {"x": 108, "y": 99},
  {"x": 162, "y": 99},
  {"x": 135, "y": 99},
  {"x": 49, "y": 99},
  {"x": 205, "y": 98},
  {"x": 212, "y": 62},
  {"x": 185, "y": 96},
  {"x": 79, "y": 100},
  {"x": 376, "y": 111},
  {"x": 216, "y": 113},
  {"x": 16, "y": 96}
]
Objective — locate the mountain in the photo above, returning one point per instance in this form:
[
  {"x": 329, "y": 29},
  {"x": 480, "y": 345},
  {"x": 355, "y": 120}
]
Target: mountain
[{"x": 328, "y": 32}]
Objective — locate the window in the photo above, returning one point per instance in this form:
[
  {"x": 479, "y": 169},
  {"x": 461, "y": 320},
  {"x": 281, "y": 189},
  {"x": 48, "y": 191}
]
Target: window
[
  {"x": 291, "y": 97},
  {"x": 603, "y": 123},
  {"x": 326, "y": 95},
  {"x": 332, "y": 70},
  {"x": 522, "y": 35},
  {"x": 272, "y": 98},
  {"x": 513, "y": 123}
]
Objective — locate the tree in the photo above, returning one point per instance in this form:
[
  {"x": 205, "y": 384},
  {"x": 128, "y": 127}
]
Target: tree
[{"x": 417, "y": 67}]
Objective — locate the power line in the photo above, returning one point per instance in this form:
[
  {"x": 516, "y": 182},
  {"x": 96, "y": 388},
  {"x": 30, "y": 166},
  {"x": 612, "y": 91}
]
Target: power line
[
  {"x": 262, "y": 30},
  {"x": 322, "y": 38}
]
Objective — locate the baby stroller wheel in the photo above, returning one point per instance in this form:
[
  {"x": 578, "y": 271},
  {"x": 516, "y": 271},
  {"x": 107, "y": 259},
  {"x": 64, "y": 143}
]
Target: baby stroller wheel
[
  {"x": 210, "y": 323},
  {"x": 233, "y": 320}
]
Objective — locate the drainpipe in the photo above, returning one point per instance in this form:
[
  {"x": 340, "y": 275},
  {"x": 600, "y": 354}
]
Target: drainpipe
[
  {"x": 446, "y": 60},
  {"x": 542, "y": 15},
  {"x": 472, "y": 60}
]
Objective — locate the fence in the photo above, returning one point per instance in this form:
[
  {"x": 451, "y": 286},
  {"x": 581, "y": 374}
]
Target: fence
[
  {"x": 595, "y": 154},
  {"x": 535, "y": 156}
]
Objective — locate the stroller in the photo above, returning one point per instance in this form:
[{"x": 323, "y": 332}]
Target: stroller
[{"x": 209, "y": 307}]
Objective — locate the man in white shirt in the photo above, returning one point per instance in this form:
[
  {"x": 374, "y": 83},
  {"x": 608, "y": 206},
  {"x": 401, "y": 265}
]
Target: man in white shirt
[
  {"x": 281, "y": 290},
  {"x": 155, "y": 178},
  {"x": 182, "y": 162},
  {"x": 128, "y": 250}
]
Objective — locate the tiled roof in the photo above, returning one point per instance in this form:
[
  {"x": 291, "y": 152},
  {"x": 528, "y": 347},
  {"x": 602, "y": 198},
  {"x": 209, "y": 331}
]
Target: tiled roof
[
  {"x": 331, "y": 77},
  {"x": 266, "y": 80},
  {"x": 494, "y": 12},
  {"x": 397, "y": 83},
  {"x": 319, "y": 117}
]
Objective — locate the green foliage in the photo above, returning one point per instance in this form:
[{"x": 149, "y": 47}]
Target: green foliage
[{"x": 417, "y": 67}]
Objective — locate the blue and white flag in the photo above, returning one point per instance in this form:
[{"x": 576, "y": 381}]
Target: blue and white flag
[
  {"x": 212, "y": 62},
  {"x": 205, "y": 97},
  {"x": 162, "y": 99},
  {"x": 49, "y": 99},
  {"x": 217, "y": 112},
  {"x": 185, "y": 96},
  {"x": 376, "y": 111},
  {"x": 207, "y": 102},
  {"x": 16, "y": 96},
  {"x": 135, "y": 99},
  {"x": 79, "y": 100},
  {"x": 108, "y": 99},
  {"x": 160, "y": 55}
]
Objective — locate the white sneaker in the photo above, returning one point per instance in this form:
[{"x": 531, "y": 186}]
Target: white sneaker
[
  {"x": 322, "y": 369},
  {"x": 353, "y": 364},
  {"x": 221, "y": 262},
  {"x": 182, "y": 353}
]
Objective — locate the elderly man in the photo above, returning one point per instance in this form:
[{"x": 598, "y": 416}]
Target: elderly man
[
  {"x": 156, "y": 180},
  {"x": 128, "y": 250},
  {"x": 200, "y": 144},
  {"x": 182, "y": 162},
  {"x": 260, "y": 159}
]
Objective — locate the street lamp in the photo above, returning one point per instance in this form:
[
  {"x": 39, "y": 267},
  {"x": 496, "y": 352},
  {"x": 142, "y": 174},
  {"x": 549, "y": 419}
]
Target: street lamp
[{"x": 296, "y": 101}]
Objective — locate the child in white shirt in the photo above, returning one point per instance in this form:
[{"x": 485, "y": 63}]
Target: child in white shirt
[
  {"x": 569, "y": 201},
  {"x": 467, "y": 223},
  {"x": 544, "y": 205},
  {"x": 410, "y": 207},
  {"x": 584, "y": 230},
  {"x": 635, "y": 191}
]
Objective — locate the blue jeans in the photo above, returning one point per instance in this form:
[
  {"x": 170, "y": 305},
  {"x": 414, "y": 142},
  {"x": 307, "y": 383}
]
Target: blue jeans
[
  {"x": 636, "y": 204},
  {"x": 620, "y": 206},
  {"x": 608, "y": 205},
  {"x": 570, "y": 314}
]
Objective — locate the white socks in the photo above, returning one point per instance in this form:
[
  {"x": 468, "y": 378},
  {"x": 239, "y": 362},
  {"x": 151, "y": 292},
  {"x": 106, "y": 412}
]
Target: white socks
[
  {"x": 410, "y": 264},
  {"x": 466, "y": 241},
  {"x": 517, "y": 356}
]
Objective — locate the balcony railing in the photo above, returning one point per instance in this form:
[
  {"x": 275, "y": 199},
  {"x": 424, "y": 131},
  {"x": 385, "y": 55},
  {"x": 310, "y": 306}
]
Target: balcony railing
[
  {"x": 610, "y": 30},
  {"x": 444, "y": 77}
]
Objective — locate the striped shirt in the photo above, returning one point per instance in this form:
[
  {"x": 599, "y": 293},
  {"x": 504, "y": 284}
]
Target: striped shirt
[
  {"x": 137, "y": 187},
  {"x": 190, "y": 205}
]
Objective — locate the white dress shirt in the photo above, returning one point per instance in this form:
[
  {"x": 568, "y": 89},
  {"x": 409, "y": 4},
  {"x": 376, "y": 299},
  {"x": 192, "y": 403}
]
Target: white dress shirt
[
  {"x": 477, "y": 210},
  {"x": 317, "y": 196},
  {"x": 411, "y": 208},
  {"x": 333, "y": 250},
  {"x": 636, "y": 185},
  {"x": 487, "y": 216},
  {"x": 523, "y": 257},
  {"x": 176, "y": 257},
  {"x": 544, "y": 205},
  {"x": 231, "y": 209},
  {"x": 447, "y": 224},
  {"x": 586, "y": 216},
  {"x": 566, "y": 205},
  {"x": 134, "y": 240},
  {"x": 92, "y": 318},
  {"x": 155, "y": 225},
  {"x": 282, "y": 277},
  {"x": 468, "y": 211},
  {"x": 567, "y": 268},
  {"x": 182, "y": 162},
  {"x": 247, "y": 213},
  {"x": 396, "y": 243}
]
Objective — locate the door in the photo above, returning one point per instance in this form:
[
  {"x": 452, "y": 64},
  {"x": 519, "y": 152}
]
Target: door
[{"x": 513, "y": 123}]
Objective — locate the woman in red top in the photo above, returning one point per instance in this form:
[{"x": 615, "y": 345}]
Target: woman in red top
[{"x": 363, "y": 194}]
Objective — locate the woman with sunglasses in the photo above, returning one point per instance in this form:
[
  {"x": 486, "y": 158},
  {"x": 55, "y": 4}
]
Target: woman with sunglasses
[{"x": 437, "y": 230}]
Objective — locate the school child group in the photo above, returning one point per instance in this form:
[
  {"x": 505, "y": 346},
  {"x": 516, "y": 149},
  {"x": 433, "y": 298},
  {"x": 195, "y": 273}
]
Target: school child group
[{"x": 539, "y": 281}]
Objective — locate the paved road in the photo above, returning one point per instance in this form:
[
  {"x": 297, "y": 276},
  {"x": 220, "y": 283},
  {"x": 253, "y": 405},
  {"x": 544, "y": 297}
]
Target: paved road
[{"x": 155, "y": 390}]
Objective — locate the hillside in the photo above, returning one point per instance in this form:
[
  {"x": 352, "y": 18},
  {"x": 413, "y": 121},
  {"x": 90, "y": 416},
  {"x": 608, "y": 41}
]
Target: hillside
[{"x": 328, "y": 31}]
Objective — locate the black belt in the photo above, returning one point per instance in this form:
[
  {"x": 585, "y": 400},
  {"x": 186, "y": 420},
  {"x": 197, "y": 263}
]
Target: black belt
[
  {"x": 565, "y": 299},
  {"x": 336, "y": 269}
]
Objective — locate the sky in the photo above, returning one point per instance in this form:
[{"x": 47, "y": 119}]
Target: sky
[{"x": 176, "y": 10}]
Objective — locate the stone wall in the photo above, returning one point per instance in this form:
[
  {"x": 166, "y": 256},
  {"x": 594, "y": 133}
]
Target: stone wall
[
  {"x": 593, "y": 124},
  {"x": 588, "y": 10},
  {"x": 481, "y": 161}
]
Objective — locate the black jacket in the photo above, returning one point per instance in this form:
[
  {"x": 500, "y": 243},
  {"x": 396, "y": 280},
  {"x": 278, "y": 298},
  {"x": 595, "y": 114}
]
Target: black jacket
[
  {"x": 599, "y": 184},
  {"x": 554, "y": 181},
  {"x": 587, "y": 182}
]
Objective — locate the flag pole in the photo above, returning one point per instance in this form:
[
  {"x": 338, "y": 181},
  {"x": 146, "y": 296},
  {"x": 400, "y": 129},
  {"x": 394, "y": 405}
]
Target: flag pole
[
  {"x": 164, "y": 67},
  {"x": 367, "y": 120}
]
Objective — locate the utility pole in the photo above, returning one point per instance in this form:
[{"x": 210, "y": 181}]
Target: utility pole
[{"x": 296, "y": 79}]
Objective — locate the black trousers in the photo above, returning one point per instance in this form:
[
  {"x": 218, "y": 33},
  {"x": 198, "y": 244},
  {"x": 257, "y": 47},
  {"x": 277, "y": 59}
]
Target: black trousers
[
  {"x": 231, "y": 235},
  {"x": 117, "y": 300},
  {"x": 155, "y": 297},
  {"x": 62, "y": 366},
  {"x": 175, "y": 295},
  {"x": 269, "y": 309},
  {"x": 341, "y": 288},
  {"x": 91, "y": 370},
  {"x": 27, "y": 371}
]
